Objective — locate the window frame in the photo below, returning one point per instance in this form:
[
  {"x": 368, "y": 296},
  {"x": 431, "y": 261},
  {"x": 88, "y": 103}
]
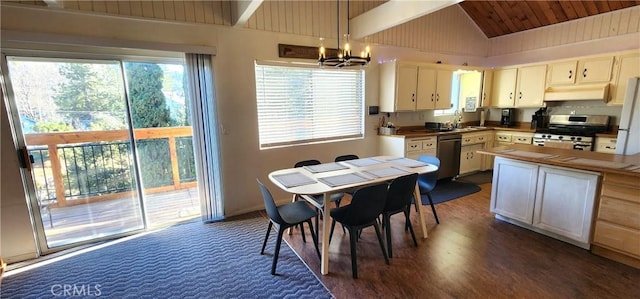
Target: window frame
[{"x": 355, "y": 131}]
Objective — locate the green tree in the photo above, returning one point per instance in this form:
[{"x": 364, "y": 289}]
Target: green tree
[
  {"x": 87, "y": 90},
  {"x": 148, "y": 103}
]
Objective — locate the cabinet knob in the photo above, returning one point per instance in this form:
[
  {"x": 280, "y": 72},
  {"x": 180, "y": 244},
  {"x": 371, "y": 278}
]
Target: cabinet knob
[
  {"x": 437, "y": 97},
  {"x": 510, "y": 95},
  {"x": 520, "y": 97},
  {"x": 413, "y": 97},
  {"x": 570, "y": 74},
  {"x": 432, "y": 96},
  {"x": 584, "y": 73}
]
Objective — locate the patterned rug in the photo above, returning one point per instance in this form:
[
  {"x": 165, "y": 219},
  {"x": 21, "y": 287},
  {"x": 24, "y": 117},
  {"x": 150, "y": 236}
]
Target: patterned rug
[{"x": 193, "y": 260}]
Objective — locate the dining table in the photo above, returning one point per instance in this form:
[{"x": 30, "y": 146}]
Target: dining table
[{"x": 337, "y": 177}]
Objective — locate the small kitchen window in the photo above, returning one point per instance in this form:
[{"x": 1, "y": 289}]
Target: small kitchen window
[{"x": 302, "y": 104}]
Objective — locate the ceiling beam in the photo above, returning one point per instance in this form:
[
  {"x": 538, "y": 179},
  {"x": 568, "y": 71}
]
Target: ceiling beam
[
  {"x": 394, "y": 13},
  {"x": 243, "y": 11}
]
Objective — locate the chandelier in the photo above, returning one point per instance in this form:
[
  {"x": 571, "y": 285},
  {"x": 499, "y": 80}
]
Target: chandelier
[{"x": 344, "y": 57}]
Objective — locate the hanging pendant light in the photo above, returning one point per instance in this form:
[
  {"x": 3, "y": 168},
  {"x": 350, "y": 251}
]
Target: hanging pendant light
[{"x": 344, "y": 57}]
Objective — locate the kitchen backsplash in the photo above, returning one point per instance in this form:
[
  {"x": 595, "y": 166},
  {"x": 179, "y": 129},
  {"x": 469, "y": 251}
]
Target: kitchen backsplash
[{"x": 522, "y": 114}]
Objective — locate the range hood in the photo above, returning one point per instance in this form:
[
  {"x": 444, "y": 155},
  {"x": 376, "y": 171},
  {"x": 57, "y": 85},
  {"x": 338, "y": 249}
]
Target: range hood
[{"x": 577, "y": 92}]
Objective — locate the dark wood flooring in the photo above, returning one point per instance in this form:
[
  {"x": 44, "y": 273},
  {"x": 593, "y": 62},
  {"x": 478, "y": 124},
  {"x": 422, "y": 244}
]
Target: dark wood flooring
[{"x": 468, "y": 255}]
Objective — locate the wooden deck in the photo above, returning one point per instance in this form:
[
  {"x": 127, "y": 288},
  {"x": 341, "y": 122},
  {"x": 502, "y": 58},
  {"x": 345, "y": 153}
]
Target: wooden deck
[{"x": 64, "y": 225}]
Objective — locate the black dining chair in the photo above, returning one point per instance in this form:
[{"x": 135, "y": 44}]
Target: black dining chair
[
  {"x": 317, "y": 200},
  {"x": 399, "y": 196},
  {"x": 363, "y": 211},
  {"x": 284, "y": 217},
  {"x": 346, "y": 158},
  {"x": 427, "y": 181}
]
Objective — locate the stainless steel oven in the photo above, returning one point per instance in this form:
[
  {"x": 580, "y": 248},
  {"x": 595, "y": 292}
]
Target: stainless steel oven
[{"x": 571, "y": 131}]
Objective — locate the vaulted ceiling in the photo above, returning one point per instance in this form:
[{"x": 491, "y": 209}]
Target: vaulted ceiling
[{"x": 496, "y": 18}]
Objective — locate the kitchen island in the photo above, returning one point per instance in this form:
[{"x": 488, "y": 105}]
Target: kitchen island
[{"x": 588, "y": 199}]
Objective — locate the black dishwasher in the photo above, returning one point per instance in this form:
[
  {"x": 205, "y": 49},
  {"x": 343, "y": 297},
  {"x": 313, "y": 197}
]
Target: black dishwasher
[{"x": 449, "y": 155}]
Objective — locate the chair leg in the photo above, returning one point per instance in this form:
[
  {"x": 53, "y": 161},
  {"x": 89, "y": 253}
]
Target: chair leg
[
  {"x": 384, "y": 252},
  {"x": 354, "y": 259},
  {"x": 277, "y": 252},
  {"x": 264, "y": 244},
  {"x": 314, "y": 235},
  {"x": 304, "y": 238},
  {"x": 433, "y": 208},
  {"x": 333, "y": 226},
  {"x": 413, "y": 235},
  {"x": 344, "y": 231},
  {"x": 387, "y": 232}
]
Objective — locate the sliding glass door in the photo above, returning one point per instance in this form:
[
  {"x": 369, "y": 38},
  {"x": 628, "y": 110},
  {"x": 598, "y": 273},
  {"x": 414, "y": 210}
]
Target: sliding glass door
[{"x": 109, "y": 142}]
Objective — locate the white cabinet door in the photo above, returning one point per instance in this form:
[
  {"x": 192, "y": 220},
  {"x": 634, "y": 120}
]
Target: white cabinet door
[
  {"x": 406, "y": 92},
  {"x": 595, "y": 70},
  {"x": 564, "y": 202},
  {"x": 563, "y": 73},
  {"x": 513, "y": 189},
  {"x": 628, "y": 67},
  {"x": 426, "y": 88},
  {"x": 504, "y": 86},
  {"x": 531, "y": 81},
  {"x": 470, "y": 161},
  {"x": 443, "y": 89}
]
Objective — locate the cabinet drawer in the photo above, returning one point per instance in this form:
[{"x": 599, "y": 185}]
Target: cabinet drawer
[
  {"x": 483, "y": 138},
  {"x": 503, "y": 137},
  {"x": 606, "y": 145},
  {"x": 468, "y": 139},
  {"x": 413, "y": 146},
  {"x": 621, "y": 192},
  {"x": 429, "y": 144},
  {"x": 621, "y": 179},
  {"x": 617, "y": 237},
  {"x": 522, "y": 139},
  {"x": 620, "y": 212}
]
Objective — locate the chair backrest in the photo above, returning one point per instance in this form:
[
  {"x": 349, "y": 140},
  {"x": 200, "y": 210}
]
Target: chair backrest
[
  {"x": 400, "y": 192},
  {"x": 269, "y": 204},
  {"x": 367, "y": 203},
  {"x": 427, "y": 181},
  {"x": 307, "y": 163},
  {"x": 346, "y": 158}
]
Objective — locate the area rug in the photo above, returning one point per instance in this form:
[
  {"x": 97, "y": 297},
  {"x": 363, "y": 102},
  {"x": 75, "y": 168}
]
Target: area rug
[
  {"x": 193, "y": 260},
  {"x": 446, "y": 190}
]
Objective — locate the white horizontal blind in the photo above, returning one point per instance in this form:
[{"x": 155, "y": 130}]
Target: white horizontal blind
[{"x": 298, "y": 105}]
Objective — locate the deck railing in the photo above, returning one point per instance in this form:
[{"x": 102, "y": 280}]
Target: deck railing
[{"x": 80, "y": 167}]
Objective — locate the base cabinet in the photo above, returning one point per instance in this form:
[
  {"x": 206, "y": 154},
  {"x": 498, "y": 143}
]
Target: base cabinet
[
  {"x": 564, "y": 202},
  {"x": 513, "y": 189},
  {"x": 551, "y": 200},
  {"x": 617, "y": 225}
]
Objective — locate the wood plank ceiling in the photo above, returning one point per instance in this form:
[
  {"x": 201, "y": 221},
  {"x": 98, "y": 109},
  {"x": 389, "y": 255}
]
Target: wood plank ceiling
[{"x": 496, "y": 18}]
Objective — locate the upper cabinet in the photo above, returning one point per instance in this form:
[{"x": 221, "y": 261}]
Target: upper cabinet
[
  {"x": 487, "y": 81},
  {"x": 584, "y": 71},
  {"x": 626, "y": 66},
  {"x": 412, "y": 87},
  {"x": 530, "y": 88},
  {"x": 594, "y": 70},
  {"x": 434, "y": 88},
  {"x": 503, "y": 88},
  {"x": 519, "y": 87}
]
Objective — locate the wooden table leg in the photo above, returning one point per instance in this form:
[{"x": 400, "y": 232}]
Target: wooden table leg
[
  {"x": 293, "y": 199},
  {"x": 418, "y": 202},
  {"x": 326, "y": 227}
]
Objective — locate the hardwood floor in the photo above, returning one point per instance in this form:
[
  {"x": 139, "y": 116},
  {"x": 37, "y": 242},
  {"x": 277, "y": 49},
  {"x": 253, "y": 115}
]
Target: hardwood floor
[{"x": 469, "y": 255}]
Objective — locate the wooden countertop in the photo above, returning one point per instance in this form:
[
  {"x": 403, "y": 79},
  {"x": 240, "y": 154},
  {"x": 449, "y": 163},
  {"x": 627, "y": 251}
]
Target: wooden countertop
[
  {"x": 591, "y": 161},
  {"x": 414, "y": 132}
]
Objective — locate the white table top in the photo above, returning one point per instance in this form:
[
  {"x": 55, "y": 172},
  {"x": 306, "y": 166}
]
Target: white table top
[{"x": 319, "y": 187}]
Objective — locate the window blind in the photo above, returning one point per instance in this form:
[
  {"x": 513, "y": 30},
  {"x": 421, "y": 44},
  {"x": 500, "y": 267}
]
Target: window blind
[{"x": 299, "y": 105}]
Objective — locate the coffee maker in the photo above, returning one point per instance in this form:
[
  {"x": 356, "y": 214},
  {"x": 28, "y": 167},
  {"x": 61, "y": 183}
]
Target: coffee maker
[
  {"x": 508, "y": 117},
  {"x": 540, "y": 119}
]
